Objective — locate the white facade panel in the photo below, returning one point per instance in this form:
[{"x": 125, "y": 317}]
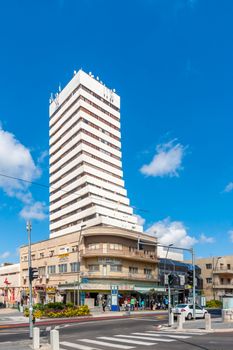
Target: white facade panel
[{"x": 86, "y": 177}]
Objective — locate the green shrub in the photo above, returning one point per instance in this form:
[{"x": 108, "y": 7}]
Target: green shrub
[
  {"x": 60, "y": 310},
  {"x": 55, "y": 306},
  {"x": 69, "y": 304},
  {"x": 214, "y": 304}
]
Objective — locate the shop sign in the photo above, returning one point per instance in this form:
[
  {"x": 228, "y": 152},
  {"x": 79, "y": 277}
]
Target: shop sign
[
  {"x": 51, "y": 290},
  {"x": 127, "y": 287},
  {"x": 63, "y": 257}
]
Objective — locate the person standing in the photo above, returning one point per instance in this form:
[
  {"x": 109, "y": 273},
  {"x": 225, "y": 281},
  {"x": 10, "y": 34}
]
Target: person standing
[{"x": 104, "y": 305}]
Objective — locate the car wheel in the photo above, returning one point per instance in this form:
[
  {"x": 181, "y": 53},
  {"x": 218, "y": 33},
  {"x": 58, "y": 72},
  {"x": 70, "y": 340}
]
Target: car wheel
[{"x": 189, "y": 316}]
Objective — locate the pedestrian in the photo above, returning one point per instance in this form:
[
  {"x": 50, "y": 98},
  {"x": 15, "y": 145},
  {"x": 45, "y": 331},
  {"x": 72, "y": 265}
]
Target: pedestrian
[
  {"x": 143, "y": 304},
  {"x": 151, "y": 304},
  {"x": 132, "y": 303},
  {"x": 104, "y": 305}
]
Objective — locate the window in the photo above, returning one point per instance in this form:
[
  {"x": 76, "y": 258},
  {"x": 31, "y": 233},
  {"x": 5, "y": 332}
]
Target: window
[
  {"x": 115, "y": 268},
  {"x": 208, "y": 280},
  {"x": 93, "y": 268},
  {"x": 222, "y": 280},
  {"x": 41, "y": 271},
  {"x": 93, "y": 246},
  {"x": 209, "y": 266},
  {"x": 133, "y": 269},
  {"x": 228, "y": 266},
  {"x": 33, "y": 256},
  {"x": 51, "y": 269},
  {"x": 74, "y": 248},
  {"x": 62, "y": 268},
  {"x": 74, "y": 267},
  {"x": 41, "y": 255},
  {"x": 147, "y": 271},
  {"x": 115, "y": 246}
]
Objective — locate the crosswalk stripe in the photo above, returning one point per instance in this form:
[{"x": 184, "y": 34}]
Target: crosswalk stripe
[
  {"x": 145, "y": 338},
  {"x": 111, "y": 345},
  {"x": 167, "y": 335},
  {"x": 77, "y": 346},
  {"x": 180, "y": 333},
  {"x": 127, "y": 341}
]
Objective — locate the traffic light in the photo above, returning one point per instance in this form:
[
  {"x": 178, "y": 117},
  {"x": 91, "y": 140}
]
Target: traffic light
[
  {"x": 33, "y": 274},
  {"x": 190, "y": 277},
  {"x": 170, "y": 279}
]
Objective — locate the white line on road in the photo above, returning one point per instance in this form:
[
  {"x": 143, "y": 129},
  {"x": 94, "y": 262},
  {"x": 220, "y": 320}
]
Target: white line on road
[
  {"x": 158, "y": 334},
  {"x": 150, "y": 338},
  {"x": 127, "y": 341},
  {"x": 111, "y": 345},
  {"x": 77, "y": 346},
  {"x": 170, "y": 333}
]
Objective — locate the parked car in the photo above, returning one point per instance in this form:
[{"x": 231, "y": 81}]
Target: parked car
[
  {"x": 187, "y": 309},
  {"x": 2, "y": 305}
]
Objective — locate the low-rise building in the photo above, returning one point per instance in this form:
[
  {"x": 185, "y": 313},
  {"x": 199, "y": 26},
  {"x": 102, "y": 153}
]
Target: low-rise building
[
  {"x": 9, "y": 283},
  {"x": 217, "y": 274},
  {"x": 87, "y": 263}
]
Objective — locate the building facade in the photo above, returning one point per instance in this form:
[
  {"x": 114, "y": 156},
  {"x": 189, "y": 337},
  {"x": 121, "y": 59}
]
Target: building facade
[
  {"x": 217, "y": 274},
  {"x": 86, "y": 178},
  {"x": 10, "y": 284},
  {"x": 87, "y": 263}
]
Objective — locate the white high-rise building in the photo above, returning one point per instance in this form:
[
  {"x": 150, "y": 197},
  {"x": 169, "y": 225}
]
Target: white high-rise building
[{"x": 86, "y": 178}]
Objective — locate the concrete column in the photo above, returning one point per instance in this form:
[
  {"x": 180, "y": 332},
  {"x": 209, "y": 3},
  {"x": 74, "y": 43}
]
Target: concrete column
[
  {"x": 171, "y": 319},
  {"x": 179, "y": 322},
  {"x": 54, "y": 339},
  {"x": 36, "y": 338},
  {"x": 183, "y": 317},
  {"x": 207, "y": 322}
]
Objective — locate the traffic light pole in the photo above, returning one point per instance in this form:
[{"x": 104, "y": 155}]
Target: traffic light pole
[
  {"x": 169, "y": 307},
  {"x": 29, "y": 228}
]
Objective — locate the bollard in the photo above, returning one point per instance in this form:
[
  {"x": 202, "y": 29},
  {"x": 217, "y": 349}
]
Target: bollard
[
  {"x": 36, "y": 338},
  {"x": 183, "y": 317},
  {"x": 179, "y": 322},
  {"x": 54, "y": 339},
  {"x": 171, "y": 319},
  {"x": 207, "y": 322}
]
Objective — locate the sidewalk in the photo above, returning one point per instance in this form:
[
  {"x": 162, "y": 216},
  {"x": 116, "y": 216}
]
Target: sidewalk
[
  {"x": 20, "y": 320},
  {"x": 198, "y": 326}
]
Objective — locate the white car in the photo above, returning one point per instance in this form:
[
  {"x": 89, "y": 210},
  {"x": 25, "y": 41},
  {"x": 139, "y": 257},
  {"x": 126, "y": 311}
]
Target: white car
[{"x": 187, "y": 310}]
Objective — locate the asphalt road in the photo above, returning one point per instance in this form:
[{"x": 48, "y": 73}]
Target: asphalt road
[{"x": 137, "y": 333}]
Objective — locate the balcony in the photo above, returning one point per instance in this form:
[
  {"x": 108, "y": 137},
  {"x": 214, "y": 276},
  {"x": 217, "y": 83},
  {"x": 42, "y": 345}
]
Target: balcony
[
  {"x": 121, "y": 276},
  {"x": 126, "y": 253},
  {"x": 218, "y": 285},
  {"x": 223, "y": 271}
]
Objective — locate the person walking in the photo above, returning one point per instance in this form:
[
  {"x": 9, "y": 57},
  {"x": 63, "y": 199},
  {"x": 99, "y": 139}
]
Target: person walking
[{"x": 104, "y": 305}]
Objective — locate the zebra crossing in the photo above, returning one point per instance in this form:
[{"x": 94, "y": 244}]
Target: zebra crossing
[{"x": 126, "y": 342}]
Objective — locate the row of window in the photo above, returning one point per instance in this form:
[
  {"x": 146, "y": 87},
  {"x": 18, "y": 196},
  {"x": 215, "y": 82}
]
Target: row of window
[
  {"x": 80, "y": 187},
  {"x": 118, "y": 268},
  {"x": 74, "y": 223},
  {"x": 76, "y": 211},
  {"x": 71, "y": 137},
  {"x": 82, "y": 163},
  {"x": 80, "y": 142},
  {"x": 79, "y": 87},
  {"x": 210, "y": 266},
  {"x": 77, "y": 155}
]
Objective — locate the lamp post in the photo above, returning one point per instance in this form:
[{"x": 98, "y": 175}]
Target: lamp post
[
  {"x": 79, "y": 264},
  {"x": 214, "y": 269},
  {"x": 29, "y": 228},
  {"x": 169, "y": 289}
]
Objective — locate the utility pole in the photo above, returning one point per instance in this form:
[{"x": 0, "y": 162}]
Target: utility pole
[
  {"x": 29, "y": 228},
  {"x": 194, "y": 283}
]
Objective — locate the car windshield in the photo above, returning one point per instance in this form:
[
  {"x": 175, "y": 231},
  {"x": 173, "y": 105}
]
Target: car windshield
[{"x": 181, "y": 305}]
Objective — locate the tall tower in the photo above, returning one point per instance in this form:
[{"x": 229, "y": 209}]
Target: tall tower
[{"x": 86, "y": 178}]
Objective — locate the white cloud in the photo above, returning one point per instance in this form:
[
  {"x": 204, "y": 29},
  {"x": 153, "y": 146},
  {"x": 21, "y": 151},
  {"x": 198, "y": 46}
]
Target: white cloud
[
  {"x": 172, "y": 232},
  {"x": 141, "y": 220},
  {"x": 230, "y": 233},
  {"x": 16, "y": 161},
  {"x": 5, "y": 255},
  {"x": 36, "y": 211},
  {"x": 204, "y": 239},
  {"x": 228, "y": 187},
  {"x": 167, "y": 161},
  {"x": 42, "y": 156}
]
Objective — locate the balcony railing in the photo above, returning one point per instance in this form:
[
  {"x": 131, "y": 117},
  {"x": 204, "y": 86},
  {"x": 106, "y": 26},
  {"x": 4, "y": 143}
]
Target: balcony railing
[
  {"x": 223, "y": 270},
  {"x": 219, "y": 285},
  {"x": 123, "y": 253},
  {"x": 119, "y": 275}
]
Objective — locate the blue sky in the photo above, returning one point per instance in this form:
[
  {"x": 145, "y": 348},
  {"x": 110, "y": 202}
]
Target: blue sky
[{"x": 172, "y": 64}]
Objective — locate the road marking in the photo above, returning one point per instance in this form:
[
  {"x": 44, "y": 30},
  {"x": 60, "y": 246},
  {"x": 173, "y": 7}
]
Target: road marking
[
  {"x": 145, "y": 338},
  {"x": 175, "y": 332},
  {"x": 111, "y": 345},
  {"x": 77, "y": 346},
  {"x": 167, "y": 335},
  {"x": 127, "y": 341}
]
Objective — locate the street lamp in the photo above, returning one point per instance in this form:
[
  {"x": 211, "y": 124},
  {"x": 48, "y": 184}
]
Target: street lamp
[
  {"x": 29, "y": 228},
  {"x": 169, "y": 289},
  {"x": 78, "y": 265},
  {"x": 213, "y": 269}
]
